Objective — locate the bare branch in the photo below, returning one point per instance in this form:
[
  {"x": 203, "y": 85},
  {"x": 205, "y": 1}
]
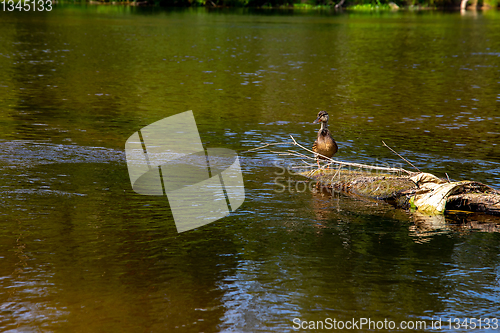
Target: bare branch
[
  {"x": 357, "y": 165},
  {"x": 330, "y": 161},
  {"x": 404, "y": 159},
  {"x": 338, "y": 170},
  {"x": 267, "y": 145}
]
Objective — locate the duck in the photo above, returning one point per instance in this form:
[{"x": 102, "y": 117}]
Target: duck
[{"x": 324, "y": 144}]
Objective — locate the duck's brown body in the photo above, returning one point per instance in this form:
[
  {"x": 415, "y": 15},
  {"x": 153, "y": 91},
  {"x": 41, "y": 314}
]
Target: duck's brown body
[{"x": 325, "y": 144}]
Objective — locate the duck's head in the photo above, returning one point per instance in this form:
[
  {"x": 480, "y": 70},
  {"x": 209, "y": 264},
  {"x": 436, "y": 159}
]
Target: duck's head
[{"x": 322, "y": 117}]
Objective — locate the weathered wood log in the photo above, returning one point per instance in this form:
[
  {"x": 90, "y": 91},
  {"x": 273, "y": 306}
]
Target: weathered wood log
[
  {"x": 421, "y": 191},
  {"x": 475, "y": 202}
]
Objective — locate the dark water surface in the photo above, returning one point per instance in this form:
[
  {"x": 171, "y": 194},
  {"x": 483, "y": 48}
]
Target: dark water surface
[{"x": 81, "y": 252}]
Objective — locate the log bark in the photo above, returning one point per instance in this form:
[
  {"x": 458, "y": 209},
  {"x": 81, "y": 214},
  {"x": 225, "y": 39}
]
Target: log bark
[
  {"x": 475, "y": 202},
  {"x": 404, "y": 191}
]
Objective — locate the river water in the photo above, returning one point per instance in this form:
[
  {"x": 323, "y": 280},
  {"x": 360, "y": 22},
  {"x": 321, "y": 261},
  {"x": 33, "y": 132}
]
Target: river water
[{"x": 80, "y": 251}]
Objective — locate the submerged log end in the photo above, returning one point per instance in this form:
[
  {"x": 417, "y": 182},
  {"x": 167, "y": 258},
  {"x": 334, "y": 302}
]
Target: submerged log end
[{"x": 475, "y": 202}]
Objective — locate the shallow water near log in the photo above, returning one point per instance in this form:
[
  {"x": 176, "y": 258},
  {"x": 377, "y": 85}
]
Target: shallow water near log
[{"x": 80, "y": 251}]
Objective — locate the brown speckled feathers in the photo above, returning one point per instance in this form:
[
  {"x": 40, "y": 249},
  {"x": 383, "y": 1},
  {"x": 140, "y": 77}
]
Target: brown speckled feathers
[{"x": 324, "y": 144}]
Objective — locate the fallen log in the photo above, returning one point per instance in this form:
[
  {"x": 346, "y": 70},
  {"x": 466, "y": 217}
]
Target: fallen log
[
  {"x": 418, "y": 191},
  {"x": 422, "y": 192}
]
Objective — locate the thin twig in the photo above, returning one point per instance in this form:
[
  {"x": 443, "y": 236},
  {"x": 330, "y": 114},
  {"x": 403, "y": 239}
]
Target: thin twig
[
  {"x": 307, "y": 164},
  {"x": 310, "y": 173},
  {"x": 267, "y": 145},
  {"x": 338, "y": 170},
  {"x": 404, "y": 159},
  {"x": 301, "y": 155},
  {"x": 302, "y": 166},
  {"x": 449, "y": 181},
  {"x": 282, "y": 153},
  {"x": 332, "y": 161}
]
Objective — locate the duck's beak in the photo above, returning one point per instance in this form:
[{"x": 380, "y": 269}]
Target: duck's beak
[{"x": 316, "y": 121}]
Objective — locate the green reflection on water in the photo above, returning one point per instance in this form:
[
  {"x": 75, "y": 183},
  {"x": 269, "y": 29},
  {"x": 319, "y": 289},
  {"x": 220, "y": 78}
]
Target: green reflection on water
[{"x": 81, "y": 251}]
